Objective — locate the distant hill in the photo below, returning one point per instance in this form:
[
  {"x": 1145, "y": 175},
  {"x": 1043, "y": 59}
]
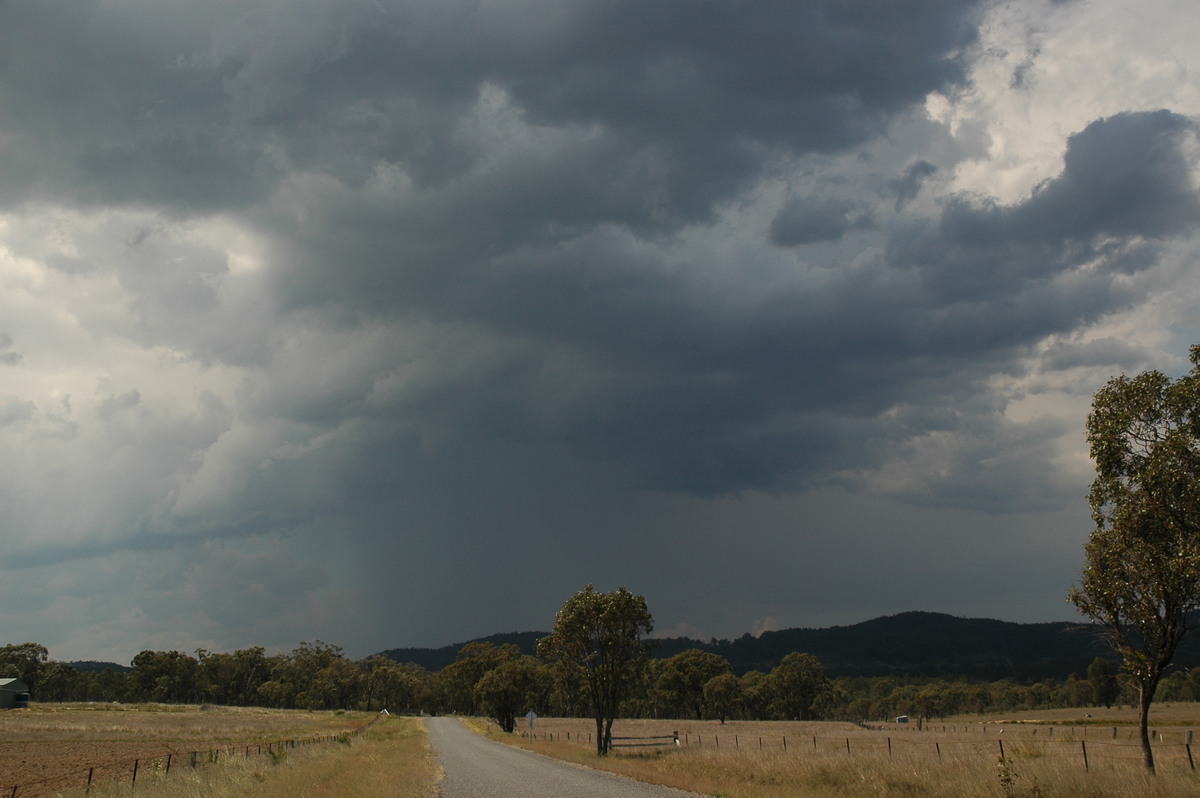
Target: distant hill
[
  {"x": 924, "y": 644},
  {"x": 434, "y": 659},
  {"x": 908, "y": 644},
  {"x": 90, "y": 666}
]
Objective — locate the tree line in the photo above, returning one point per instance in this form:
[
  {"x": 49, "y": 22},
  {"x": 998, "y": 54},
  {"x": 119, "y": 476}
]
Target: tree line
[{"x": 501, "y": 682}]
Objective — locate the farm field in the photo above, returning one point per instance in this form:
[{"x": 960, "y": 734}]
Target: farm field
[
  {"x": 50, "y": 748},
  {"x": 1060, "y": 753}
]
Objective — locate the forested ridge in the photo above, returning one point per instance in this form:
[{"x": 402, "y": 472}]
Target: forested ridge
[
  {"x": 907, "y": 644},
  {"x": 918, "y": 664}
]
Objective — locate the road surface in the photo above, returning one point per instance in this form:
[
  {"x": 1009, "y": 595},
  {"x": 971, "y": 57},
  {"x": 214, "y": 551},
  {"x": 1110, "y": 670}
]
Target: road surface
[{"x": 477, "y": 767}]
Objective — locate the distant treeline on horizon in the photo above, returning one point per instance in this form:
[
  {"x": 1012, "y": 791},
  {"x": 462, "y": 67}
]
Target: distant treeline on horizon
[{"x": 926, "y": 665}]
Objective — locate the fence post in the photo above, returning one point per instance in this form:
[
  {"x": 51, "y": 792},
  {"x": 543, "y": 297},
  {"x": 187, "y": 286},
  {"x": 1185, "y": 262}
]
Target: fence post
[
  {"x": 937, "y": 747},
  {"x": 135, "y": 766},
  {"x": 889, "y": 747},
  {"x": 847, "y": 746},
  {"x": 89, "y": 783},
  {"x": 785, "y": 742},
  {"x": 1001, "y": 748},
  {"x": 168, "y": 764},
  {"x": 1188, "y": 748},
  {"x": 1083, "y": 746}
]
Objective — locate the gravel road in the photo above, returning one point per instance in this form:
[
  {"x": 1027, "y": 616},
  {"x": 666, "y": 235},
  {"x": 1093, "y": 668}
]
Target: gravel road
[{"x": 480, "y": 768}]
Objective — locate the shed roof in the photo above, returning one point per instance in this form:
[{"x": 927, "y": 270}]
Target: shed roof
[{"x": 15, "y": 685}]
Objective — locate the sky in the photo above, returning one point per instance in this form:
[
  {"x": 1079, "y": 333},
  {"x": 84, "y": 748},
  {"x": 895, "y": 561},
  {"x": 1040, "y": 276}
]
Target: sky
[{"x": 396, "y": 322}]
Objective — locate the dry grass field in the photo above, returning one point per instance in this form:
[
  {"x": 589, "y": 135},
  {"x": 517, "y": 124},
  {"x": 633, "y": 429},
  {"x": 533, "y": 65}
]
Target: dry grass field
[
  {"x": 50, "y": 749},
  {"x": 1044, "y": 755}
]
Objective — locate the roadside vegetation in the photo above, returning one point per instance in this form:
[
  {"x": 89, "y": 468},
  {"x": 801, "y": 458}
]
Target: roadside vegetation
[{"x": 849, "y": 761}]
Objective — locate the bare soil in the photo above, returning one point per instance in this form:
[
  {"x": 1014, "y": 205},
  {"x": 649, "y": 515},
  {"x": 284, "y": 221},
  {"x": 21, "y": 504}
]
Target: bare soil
[{"x": 43, "y": 768}]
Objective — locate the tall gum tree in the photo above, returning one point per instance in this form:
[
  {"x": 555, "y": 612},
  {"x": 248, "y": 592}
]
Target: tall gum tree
[
  {"x": 598, "y": 637},
  {"x": 1141, "y": 574}
]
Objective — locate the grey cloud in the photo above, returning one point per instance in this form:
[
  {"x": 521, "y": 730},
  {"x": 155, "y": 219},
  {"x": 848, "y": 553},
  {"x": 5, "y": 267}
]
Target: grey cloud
[
  {"x": 8, "y": 358},
  {"x": 1125, "y": 185},
  {"x": 14, "y": 410},
  {"x": 529, "y": 282},
  {"x": 907, "y": 186},
  {"x": 201, "y": 108},
  {"x": 801, "y": 222},
  {"x": 1123, "y": 356}
]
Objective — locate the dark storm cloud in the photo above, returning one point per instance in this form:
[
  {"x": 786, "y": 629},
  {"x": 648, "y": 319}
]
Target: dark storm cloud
[
  {"x": 204, "y": 105},
  {"x": 449, "y": 307},
  {"x": 712, "y": 388},
  {"x": 515, "y": 174},
  {"x": 907, "y": 186},
  {"x": 1125, "y": 186},
  {"x": 809, "y": 222}
]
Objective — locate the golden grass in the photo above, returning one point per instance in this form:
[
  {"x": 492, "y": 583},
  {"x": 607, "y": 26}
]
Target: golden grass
[
  {"x": 357, "y": 753},
  {"x": 169, "y": 723},
  {"x": 392, "y": 758},
  {"x": 840, "y": 760}
]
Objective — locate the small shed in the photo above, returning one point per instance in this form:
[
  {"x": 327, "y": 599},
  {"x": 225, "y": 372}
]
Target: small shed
[{"x": 14, "y": 694}]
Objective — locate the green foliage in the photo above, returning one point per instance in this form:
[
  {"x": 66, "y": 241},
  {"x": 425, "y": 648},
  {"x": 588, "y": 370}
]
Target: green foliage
[
  {"x": 598, "y": 638},
  {"x": 473, "y": 661},
  {"x": 1141, "y": 576},
  {"x": 681, "y": 679},
  {"x": 24, "y": 661},
  {"x": 164, "y": 676},
  {"x": 1103, "y": 682},
  {"x": 723, "y": 695},
  {"x": 511, "y": 688},
  {"x": 802, "y": 691},
  {"x": 231, "y": 679}
]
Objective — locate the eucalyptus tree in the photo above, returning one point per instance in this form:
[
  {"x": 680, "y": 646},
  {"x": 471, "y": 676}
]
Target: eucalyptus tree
[
  {"x": 1141, "y": 575},
  {"x": 802, "y": 690},
  {"x": 511, "y": 689},
  {"x": 683, "y": 677},
  {"x": 597, "y": 637}
]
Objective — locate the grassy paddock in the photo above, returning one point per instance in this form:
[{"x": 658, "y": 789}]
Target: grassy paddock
[
  {"x": 960, "y": 757},
  {"x": 171, "y": 723},
  {"x": 391, "y": 759},
  {"x": 390, "y": 756}
]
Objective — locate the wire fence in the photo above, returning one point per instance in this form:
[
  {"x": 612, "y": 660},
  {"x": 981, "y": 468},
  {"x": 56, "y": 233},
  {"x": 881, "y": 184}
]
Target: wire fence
[
  {"x": 1085, "y": 747},
  {"x": 123, "y": 768}
]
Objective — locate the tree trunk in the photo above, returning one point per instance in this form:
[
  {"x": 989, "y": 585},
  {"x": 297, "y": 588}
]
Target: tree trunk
[
  {"x": 1145, "y": 696},
  {"x": 600, "y": 749}
]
